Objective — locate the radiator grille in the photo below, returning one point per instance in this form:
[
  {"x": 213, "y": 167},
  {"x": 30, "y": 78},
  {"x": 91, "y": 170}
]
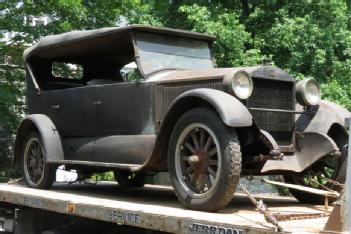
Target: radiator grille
[{"x": 272, "y": 94}]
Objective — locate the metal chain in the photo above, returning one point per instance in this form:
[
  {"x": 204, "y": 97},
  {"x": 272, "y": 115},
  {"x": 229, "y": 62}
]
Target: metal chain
[
  {"x": 334, "y": 182},
  {"x": 273, "y": 218},
  {"x": 290, "y": 217},
  {"x": 263, "y": 209}
]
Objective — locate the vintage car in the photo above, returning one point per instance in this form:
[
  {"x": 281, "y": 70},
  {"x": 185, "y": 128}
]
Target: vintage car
[{"x": 139, "y": 99}]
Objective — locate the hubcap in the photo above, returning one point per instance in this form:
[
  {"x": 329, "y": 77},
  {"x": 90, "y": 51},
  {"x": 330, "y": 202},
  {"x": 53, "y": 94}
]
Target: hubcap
[
  {"x": 198, "y": 159},
  {"x": 34, "y": 161}
]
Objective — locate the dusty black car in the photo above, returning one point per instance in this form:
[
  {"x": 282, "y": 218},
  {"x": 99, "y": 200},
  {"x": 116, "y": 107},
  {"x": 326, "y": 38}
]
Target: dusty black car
[{"x": 92, "y": 109}]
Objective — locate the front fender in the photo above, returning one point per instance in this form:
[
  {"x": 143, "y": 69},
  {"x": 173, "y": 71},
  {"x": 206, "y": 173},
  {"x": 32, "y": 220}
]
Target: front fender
[
  {"x": 49, "y": 135},
  {"x": 322, "y": 117},
  {"x": 231, "y": 110},
  {"x": 310, "y": 147}
]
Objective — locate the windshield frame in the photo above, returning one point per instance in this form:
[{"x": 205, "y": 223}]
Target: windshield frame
[{"x": 148, "y": 75}]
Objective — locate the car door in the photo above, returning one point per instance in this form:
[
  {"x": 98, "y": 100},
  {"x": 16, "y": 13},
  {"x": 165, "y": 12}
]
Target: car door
[
  {"x": 127, "y": 108},
  {"x": 72, "y": 110},
  {"x": 126, "y": 123}
]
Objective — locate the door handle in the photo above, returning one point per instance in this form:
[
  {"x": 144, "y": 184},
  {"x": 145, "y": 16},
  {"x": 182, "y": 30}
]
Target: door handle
[
  {"x": 55, "y": 106},
  {"x": 97, "y": 103}
]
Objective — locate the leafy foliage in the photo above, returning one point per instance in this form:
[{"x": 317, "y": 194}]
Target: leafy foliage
[
  {"x": 307, "y": 38},
  {"x": 230, "y": 48}
]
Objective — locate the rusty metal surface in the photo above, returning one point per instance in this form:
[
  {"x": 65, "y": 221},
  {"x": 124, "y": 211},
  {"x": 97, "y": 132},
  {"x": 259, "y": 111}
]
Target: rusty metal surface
[
  {"x": 334, "y": 223},
  {"x": 310, "y": 148},
  {"x": 266, "y": 72},
  {"x": 156, "y": 208},
  {"x": 288, "y": 217}
]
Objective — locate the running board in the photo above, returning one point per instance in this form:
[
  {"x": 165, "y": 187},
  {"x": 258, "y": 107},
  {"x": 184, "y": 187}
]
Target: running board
[{"x": 95, "y": 164}]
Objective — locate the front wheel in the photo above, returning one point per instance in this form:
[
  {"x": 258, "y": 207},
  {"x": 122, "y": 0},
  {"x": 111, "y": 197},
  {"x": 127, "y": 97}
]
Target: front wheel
[
  {"x": 204, "y": 160},
  {"x": 37, "y": 173}
]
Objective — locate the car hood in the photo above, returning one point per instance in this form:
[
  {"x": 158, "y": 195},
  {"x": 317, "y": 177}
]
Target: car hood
[{"x": 268, "y": 72}]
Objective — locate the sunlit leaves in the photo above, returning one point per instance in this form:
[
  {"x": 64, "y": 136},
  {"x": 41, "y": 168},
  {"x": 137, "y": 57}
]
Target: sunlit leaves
[{"x": 232, "y": 38}]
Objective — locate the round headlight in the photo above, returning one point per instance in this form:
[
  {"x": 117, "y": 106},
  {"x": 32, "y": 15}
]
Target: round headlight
[
  {"x": 239, "y": 84},
  {"x": 308, "y": 92}
]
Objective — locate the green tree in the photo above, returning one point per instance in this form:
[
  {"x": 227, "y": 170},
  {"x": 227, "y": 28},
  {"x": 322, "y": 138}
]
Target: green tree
[{"x": 232, "y": 39}]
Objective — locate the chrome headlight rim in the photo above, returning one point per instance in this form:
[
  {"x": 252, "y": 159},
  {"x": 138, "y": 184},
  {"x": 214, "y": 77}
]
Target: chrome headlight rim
[
  {"x": 303, "y": 96},
  {"x": 231, "y": 84}
]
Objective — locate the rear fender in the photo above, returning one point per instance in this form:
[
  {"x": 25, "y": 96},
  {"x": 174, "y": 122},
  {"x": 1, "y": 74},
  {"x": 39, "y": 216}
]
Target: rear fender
[{"x": 49, "y": 134}]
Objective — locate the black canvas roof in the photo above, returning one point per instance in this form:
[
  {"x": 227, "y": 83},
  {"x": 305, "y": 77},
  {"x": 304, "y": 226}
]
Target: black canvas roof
[{"x": 85, "y": 45}]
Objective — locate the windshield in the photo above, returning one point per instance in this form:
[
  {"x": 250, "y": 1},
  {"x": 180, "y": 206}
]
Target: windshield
[{"x": 163, "y": 52}]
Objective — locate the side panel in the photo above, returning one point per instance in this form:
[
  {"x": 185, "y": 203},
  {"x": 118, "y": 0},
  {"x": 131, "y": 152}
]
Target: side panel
[{"x": 110, "y": 149}]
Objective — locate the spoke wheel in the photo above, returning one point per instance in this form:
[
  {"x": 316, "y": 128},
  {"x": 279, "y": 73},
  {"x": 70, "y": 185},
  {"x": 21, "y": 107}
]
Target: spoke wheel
[
  {"x": 34, "y": 161},
  {"x": 204, "y": 160},
  {"x": 197, "y": 159},
  {"x": 36, "y": 172}
]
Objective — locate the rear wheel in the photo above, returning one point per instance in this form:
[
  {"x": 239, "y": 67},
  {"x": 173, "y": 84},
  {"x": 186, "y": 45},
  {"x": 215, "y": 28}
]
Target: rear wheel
[
  {"x": 129, "y": 179},
  {"x": 204, "y": 160},
  {"x": 37, "y": 173}
]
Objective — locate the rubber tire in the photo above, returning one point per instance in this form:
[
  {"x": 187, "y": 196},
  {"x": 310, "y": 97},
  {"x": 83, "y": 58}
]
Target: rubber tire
[
  {"x": 49, "y": 170},
  {"x": 121, "y": 176},
  {"x": 310, "y": 198},
  {"x": 231, "y": 165}
]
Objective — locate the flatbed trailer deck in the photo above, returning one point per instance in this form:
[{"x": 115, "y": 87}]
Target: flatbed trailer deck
[{"x": 156, "y": 208}]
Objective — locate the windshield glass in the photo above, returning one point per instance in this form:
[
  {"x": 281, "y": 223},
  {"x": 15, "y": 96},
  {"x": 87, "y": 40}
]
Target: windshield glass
[{"x": 163, "y": 52}]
